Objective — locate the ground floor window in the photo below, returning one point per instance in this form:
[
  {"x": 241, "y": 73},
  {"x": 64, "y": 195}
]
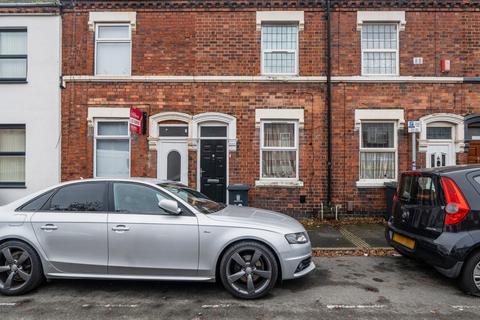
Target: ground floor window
[
  {"x": 112, "y": 148},
  {"x": 12, "y": 155},
  {"x": 279, "y": 150},
  {"x": 378, "y": 152}
]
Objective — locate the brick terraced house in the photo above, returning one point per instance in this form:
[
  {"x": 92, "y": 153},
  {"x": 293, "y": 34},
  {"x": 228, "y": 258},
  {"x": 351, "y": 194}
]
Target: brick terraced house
[{"x": 305, "y": 101}]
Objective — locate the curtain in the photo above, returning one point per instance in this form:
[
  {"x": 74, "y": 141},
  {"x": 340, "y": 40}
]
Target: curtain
[
  {"x": 377, "y": 165},
  {"x": 279, "y": 135},
  {"x": 12, "y": 168},
  {"x": 119, "y": 128},
  {"x": 113, "y": 58},
  {"x": 13, "y": 42},
  {"x": 279, "y": 164},
  {"x": 12, "y": 140},
  {"x": 113, "y": 158},
  {"x": 13, "y": 68}
]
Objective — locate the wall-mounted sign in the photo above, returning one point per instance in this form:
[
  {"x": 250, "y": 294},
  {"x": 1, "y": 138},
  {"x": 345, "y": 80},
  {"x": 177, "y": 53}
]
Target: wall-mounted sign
[
  {"x": 414, "y": 127},
  {"x": 137, "y": 121}
]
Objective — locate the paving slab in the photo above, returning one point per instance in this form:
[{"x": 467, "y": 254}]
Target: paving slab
[
  {"x": 327, "y": 236},
  {"x": 373, "y": 234}
]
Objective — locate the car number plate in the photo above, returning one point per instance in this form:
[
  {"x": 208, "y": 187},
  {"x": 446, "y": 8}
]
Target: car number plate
[{"x": 404, "y": 241}]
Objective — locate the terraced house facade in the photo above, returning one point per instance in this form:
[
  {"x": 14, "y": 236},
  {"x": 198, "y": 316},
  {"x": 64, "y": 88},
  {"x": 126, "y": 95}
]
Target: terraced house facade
[{"x": 305, "y": 101}]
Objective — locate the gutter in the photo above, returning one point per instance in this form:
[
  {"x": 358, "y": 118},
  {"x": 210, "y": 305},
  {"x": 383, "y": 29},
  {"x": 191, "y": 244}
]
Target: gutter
[
  {"x": 328, "y": 102},
  {"x": 471, "y": 80},
  {"x": 30, "y": 4}
]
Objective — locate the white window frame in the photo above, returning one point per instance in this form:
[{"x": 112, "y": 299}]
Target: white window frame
[
  {"x": 96, "y": 137},
  {"x": 265, "y": 51},
  {"x": 113, "y": 40},
  {"x": 295, "y": 148},
  {"x": 397, "y": 51},
  {"x": 377, "y": 182}
]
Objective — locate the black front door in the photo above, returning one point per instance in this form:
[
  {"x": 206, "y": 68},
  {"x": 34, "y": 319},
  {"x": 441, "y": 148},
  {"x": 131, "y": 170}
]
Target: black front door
[{"x": 213, "y": 169}]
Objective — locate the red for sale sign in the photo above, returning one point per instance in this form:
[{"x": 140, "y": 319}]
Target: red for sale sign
[{"x": 136, "y": 121}]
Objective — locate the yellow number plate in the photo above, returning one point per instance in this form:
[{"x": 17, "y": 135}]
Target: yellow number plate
[{"x": 404, "y": 241}]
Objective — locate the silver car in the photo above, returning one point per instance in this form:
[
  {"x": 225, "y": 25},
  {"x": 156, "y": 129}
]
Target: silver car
[{"x": 135, "y": 229}]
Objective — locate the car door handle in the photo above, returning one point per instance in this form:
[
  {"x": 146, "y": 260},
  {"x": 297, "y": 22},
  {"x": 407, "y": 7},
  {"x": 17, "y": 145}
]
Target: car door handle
[
  {"x": 49, "y": 227},
  {"x": 121, "y": 228}
]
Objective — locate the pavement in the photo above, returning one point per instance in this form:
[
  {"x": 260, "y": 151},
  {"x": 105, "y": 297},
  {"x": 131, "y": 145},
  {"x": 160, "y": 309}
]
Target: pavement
[
  {"x": 348, "y": 237},
  {"x": 340, "y": 288}
]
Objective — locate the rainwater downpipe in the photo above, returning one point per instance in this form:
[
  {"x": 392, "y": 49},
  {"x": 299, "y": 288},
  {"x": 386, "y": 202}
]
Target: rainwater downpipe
[{"x": 328, "y": 98}]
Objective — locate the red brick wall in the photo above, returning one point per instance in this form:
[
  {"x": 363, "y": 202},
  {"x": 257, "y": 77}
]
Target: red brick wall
[
  {"x": 191, "y": 43},
  {"x": 433, "y": 35},
  {"x": 226, "y": 42},
  {"x": 417, "y": 100},
  {"x": 239, "y": 100}
]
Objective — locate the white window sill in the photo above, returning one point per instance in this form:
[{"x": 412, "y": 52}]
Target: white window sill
[
  {"x": 372, "y": 183},
  {"x": 279, "y": 183}
]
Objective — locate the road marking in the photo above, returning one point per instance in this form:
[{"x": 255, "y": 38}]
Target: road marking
[
  {"x": 110, "y": 305},
  {"x": 360, "y": 306},
  {"x": 8, "y": 304},
  {"x": 215, "y": 306},
  {"x": 461, "y": 308},
  {"x": 359, "y": 242}
]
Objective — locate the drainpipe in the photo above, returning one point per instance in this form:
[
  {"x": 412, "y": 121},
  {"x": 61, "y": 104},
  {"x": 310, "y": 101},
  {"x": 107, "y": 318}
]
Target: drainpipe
[{"x": 328, "y": 98}]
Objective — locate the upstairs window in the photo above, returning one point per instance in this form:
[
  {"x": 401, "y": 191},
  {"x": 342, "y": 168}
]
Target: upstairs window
[
  {"x": 113, "y": 49},
  {"x": 13, "y": 54},
  {"x": 380, "y": 49},
  {"x": 279, "y": 49}
]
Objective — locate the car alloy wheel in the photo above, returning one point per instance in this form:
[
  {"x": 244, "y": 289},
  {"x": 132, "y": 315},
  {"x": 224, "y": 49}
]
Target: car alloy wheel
[
  {"x": 249, "y": 270},
  {"x": 15, "y": 268},
  {"x": 476, "y": 276}
]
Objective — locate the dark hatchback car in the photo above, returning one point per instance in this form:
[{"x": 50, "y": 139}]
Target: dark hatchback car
[{"x": 436, "y": 219}]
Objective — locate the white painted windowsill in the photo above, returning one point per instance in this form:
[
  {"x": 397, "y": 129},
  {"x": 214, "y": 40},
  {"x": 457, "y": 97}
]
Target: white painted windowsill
[
  {"x": 372, "y": 183},
  {"x": 279, "y": 183}
]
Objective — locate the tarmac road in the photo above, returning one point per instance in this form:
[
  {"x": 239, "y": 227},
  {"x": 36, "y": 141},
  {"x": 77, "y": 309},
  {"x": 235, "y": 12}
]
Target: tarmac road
[{"x": 340, "y": 288}]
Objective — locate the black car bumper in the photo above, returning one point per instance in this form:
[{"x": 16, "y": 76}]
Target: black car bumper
[{"x": 446, "y": 253}]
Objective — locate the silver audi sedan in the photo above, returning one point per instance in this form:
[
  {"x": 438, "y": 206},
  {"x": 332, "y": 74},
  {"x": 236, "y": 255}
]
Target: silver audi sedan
[{"x": 145, "y": 230}]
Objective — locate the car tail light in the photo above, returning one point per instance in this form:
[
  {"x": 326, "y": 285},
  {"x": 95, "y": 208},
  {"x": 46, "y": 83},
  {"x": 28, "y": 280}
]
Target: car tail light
[{"x": 457, "y": 207}]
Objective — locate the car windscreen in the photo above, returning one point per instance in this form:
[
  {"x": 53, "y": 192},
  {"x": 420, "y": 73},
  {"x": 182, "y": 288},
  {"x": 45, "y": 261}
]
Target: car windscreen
[
  {"x": 194, "y": 198},
  {"x": 418, "y": 189}
]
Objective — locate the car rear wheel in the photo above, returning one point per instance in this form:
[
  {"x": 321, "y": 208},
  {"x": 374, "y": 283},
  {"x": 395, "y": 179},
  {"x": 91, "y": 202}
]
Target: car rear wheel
[
  {"x": 248, "y": 270},
  {"x": 470, "y": 278},
  {"x": 20, "y": 268}
]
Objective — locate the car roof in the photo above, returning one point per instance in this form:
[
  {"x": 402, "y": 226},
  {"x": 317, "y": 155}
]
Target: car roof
[{"x": 451, "y": 169}]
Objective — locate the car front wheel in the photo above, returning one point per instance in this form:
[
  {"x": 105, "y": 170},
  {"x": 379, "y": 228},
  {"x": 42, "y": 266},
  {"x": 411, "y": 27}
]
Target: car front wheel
[
  {"x": 470, "y": 278},
  {"x": 20, "y": 268},
  {"x": 248, "y": 270}
]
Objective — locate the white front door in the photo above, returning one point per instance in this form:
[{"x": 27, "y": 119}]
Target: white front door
[
  {"x": 440, "y": 155},
  {"x": 172, "y": 162}
]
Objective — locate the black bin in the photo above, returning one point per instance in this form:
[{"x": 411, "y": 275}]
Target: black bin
[
  {"x": 390, "y": 189},
  {"x": 238, "y": 194}
]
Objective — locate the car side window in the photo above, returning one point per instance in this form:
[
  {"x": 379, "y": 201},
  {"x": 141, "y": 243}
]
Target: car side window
[
  {"x": 137, "y": 198},
  {"x": 37, "y": 203},
  {"x": 80, "y": 197}
]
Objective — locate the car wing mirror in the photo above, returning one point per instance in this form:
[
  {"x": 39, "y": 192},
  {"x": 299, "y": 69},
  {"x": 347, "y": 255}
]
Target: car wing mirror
[{"x": 170, "y": 206}]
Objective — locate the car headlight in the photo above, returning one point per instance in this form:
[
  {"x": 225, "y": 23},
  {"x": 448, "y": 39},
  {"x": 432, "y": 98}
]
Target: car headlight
[{"x": 297, "y": 238}]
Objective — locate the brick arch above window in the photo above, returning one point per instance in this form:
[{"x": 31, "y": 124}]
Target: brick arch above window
[
  {"x": 455, "y": 120},
  {"x": 156, "y": 119}
]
